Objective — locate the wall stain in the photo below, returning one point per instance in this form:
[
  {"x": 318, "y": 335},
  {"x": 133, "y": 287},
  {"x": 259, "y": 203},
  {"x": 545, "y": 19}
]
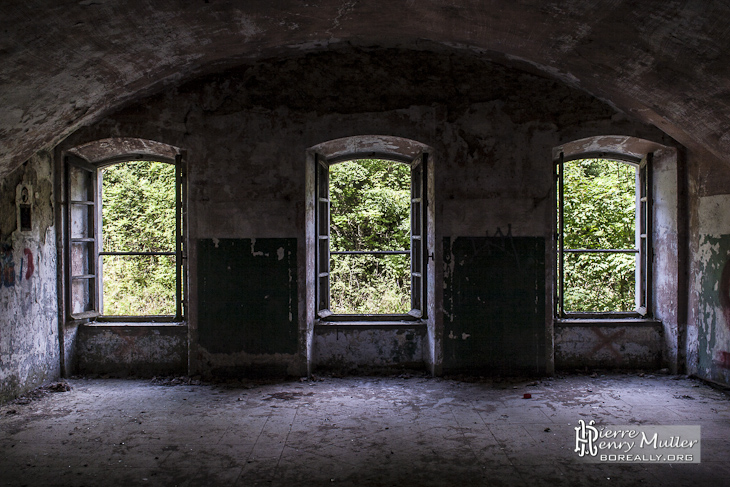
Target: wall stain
[
  {"x": 724, "y": 290},
  {"x": 607, "y": 341}
]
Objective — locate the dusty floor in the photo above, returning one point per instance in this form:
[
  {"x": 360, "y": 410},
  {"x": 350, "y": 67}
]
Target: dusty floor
[{"x": 351, "y": 431}]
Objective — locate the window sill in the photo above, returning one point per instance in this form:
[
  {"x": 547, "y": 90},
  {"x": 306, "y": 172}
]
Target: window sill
[
  {"x": 121, "y": 324},
  {"x": 586, "y": 322},
  {"x": 410, "y": 324}
]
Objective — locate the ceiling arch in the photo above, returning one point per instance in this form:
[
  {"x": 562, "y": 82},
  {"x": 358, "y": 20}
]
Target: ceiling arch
[{"x": 64, "y": 64}]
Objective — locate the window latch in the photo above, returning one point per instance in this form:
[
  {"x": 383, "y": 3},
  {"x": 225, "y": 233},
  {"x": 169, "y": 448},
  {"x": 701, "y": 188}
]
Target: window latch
[{"x": 430, "y": 256}]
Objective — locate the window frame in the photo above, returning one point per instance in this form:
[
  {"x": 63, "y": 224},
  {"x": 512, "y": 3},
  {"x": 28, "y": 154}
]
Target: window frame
[
  {"x": 419, "y": 264},
  {"x": 93, "y": 303},
  {"x": 643, "y": 239}
]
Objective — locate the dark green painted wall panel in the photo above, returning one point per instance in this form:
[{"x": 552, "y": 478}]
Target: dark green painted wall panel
[
  {"x": 247, "y": 295},
  {"x": 494, "y": 305}
]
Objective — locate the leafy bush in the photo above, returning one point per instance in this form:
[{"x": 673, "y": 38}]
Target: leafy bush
[
  {"x": 599, "y": 198},
  {"x": 370, "y": 210},
  {"x": 138, "y": 215}
]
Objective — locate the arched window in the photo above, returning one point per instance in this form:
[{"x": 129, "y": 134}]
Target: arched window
[
  {"x": 389, "y": 172},
  {"x": 604, "y": 235},
  {"x": 124, "y": 231}
]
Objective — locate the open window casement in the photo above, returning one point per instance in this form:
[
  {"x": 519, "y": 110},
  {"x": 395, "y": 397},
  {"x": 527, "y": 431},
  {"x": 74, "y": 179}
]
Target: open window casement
[
  {"x": 643, "y": 235},
  {"x": 323, "y": 252},
  {"x": 82, "y": 218},
  {"x": 417, "y": 233},
  {"x": 323, "y": 236},
  {"x": 84, "y": 241},
  {"x": 642, "y": 247}
]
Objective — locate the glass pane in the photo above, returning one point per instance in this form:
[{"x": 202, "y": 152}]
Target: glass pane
[
  {"x": 599, "y": 282},
  {"x": 370, "y": 284},
  {"x": 82, "y": 258},
  {"x": 80, "y": 184},
  {"x": 138, "y": 285},
  {"x": 323, "y": 255},
  {"x": 323, "y": 218},
  {"x": 82, "y": 295},
  {"x": 416, "y": 215},
  {"x": 416, "y": 255},
  {"x": 323, "y": 289},
  {"x": 82, "y": 221}
]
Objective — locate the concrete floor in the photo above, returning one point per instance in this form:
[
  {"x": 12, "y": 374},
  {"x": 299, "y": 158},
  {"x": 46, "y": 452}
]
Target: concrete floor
[{"x": 351, "y": 431}]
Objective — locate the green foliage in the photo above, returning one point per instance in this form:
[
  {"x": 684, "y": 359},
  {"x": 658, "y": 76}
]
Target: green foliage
[
  {"x": 370, "y": 210},
  {"x": 600, "y": 213},
  {"x": 138, "y": 215},
  {"x": 370, "y": 205},
  {"x": 370, "y": 284}
]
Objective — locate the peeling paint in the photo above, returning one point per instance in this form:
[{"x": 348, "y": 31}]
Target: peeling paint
[
  {"x": 713, "y": 284},
  {"x": 29, "y": 343}
]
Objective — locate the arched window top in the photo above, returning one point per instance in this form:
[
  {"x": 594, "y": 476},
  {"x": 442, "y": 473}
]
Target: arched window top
[
  {"x": 619, "y": 147},
  {"x": 100, "y": 255},
  {"x": 321, "y": 158},
  {"x": 370, "y": 147},
  {"x": 104, "y": 152}
]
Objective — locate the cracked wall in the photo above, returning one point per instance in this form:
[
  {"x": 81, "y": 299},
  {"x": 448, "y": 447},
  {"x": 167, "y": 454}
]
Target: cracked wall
[{"x": 29, "y": 342}]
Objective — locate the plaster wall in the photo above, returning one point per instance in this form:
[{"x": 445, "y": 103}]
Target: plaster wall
[
  {"x": 668, "y": 262},
  {"x": 610, "y": 346},
  {"x": 29, "y": 340},
  {"x": 340, "y": 349},
  {"x": 246, "y": 132},
  {"x": 708, "y": 334},
  {"x": 123, "y": 350}
]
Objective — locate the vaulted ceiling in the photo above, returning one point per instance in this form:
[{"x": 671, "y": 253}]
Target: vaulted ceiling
[{"x": 64, "y": 64}]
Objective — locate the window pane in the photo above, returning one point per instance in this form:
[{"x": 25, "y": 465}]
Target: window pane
[
  {"x": 82, "y": 221},
  {"x": 80, "y": 184},
  {"x": 82, "y": 295},
  {"x": 599, "y": 282},
  {"x": 370, "y": 284},
  {"x": 82, "y": 258},
  {"x": 138, "y": 285}
]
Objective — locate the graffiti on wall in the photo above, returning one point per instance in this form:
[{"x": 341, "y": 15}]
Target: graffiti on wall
[
  {"x": 30, "y": 267},
  {"x": 607, "y": 340},
  {"x": 7, "y": 267}
]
